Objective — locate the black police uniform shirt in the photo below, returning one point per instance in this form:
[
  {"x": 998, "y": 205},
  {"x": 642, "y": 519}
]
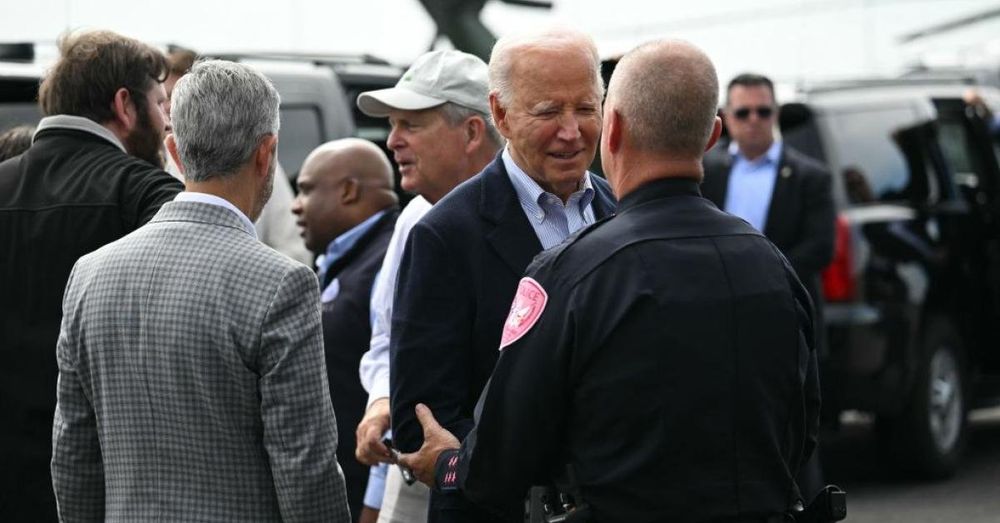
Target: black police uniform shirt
[{"x": 664, "y": 354}]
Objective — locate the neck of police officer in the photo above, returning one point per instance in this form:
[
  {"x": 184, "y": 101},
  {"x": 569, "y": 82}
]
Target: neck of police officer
[{"x": 630, "y": 169}]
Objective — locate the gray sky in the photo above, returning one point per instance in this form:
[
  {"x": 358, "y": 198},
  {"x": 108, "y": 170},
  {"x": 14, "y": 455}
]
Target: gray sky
[{"x": 791, "y": 40}]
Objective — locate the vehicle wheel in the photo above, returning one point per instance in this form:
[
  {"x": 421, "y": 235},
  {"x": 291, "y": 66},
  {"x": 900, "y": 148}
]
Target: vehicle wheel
[{"x": 928, "y": 437}]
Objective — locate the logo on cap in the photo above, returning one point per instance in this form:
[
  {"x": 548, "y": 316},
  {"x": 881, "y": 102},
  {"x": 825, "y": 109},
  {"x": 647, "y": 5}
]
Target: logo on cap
[{"x": 529, "y": 302}]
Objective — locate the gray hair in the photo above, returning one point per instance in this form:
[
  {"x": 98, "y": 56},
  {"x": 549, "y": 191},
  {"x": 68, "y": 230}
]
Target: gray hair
[
  {"x": 220, "y": 112},
  {"x": 505, "y": 50},
  {"x": 455, "y": 114},
  {"x": 667, "y": 92}
]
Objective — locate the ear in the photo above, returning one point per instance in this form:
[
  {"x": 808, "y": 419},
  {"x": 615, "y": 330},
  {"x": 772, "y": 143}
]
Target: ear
[
  {"x": 171, "y": 144},
  {"x": 123, "y": 109},
  {"x": 475, "y": 133},
  {"x": 262, "y": 156},
  {"x": 499, "y": 113},
  {"x": 350, "y": 190},
  {"x": 716, "y": 132},
  {"x": 613, "y": 130}
]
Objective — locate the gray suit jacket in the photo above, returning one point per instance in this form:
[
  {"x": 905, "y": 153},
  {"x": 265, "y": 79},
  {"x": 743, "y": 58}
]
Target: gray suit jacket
[{"x": 192, "y": 381}]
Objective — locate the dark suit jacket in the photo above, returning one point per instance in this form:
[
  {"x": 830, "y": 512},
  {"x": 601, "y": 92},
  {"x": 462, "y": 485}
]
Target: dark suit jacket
[
  {"x": 457, "y": 279},
  {"x": 800, "y": 219},
  {"x": 346, "y": 335},
  {"x": 67, "y": 195}
]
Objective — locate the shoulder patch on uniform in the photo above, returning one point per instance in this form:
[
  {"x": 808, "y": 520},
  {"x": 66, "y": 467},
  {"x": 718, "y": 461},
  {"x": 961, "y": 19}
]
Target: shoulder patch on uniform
[{"x": 529, "y": 302}]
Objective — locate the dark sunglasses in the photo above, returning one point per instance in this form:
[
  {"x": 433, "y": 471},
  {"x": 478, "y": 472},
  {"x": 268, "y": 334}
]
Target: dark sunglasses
[{"x": 763, "y": 112}]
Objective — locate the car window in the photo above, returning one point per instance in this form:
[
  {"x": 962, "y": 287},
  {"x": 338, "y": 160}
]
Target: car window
[
  {"x": 866, "y": 142},
  {"x": 301, "y": 132}
]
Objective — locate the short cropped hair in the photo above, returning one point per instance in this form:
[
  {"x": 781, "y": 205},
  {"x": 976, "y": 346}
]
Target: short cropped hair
[
  {"x": 220, "y": 112},
  {"x": 455, "y": 114},
  {"x": 750, "y": 80},
  {"x": 92, "y": 67},
  {"x": 668, "y": 93}
]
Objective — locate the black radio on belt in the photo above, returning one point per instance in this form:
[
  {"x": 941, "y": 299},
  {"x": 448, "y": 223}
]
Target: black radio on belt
[
  {"x": 548, "y": 505},
  {"x": 828, "y": 506}
]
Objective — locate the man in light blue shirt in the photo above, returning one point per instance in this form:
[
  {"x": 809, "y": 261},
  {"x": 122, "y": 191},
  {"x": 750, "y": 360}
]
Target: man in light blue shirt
[{"x": 751, "y": 183}]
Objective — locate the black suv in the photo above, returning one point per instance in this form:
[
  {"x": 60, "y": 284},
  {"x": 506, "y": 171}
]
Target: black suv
[{"x": 913, "y": 294}]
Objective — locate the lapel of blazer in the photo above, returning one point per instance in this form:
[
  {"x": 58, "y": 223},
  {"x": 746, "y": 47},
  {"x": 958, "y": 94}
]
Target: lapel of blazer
[
  {"x": 508, "y": 231},
  {"x": 781, "y": 195}
]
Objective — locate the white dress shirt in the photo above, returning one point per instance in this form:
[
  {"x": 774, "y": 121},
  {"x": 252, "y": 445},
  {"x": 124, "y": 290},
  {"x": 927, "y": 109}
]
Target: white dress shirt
[{"x": 374, "y": 368}]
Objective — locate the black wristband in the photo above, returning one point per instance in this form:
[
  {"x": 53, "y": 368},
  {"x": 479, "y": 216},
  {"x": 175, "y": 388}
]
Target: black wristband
[{"x": 446, "y": 471}]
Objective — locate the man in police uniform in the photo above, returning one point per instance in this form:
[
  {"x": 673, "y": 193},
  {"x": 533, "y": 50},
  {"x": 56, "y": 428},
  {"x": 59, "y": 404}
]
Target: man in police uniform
[{"x": 659, "y": 365}]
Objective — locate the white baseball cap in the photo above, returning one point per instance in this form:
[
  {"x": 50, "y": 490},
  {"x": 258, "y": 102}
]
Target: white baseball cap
[{"x": 435, "y": 78}]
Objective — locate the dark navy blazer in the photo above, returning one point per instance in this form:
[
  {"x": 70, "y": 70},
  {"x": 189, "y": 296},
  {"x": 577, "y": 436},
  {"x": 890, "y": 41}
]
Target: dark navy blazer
[{"x": 457, "y": 279}]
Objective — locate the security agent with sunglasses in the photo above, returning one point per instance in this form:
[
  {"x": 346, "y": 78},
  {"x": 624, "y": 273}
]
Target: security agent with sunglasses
[
  {"x": 776, "y": 189},
  {"x": 779, "y": 191}
]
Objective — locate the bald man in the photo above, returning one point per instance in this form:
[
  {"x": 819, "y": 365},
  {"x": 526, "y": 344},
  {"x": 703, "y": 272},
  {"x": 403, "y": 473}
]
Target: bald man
[
  {"x": 658, "y": 366},
  {"x": 347, "y": 209}
]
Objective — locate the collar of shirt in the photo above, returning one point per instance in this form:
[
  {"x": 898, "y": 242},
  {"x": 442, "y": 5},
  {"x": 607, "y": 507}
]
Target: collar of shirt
[
  {"x": 531, "y": 195},
  {"x": 77, "y": 123},
  {"x": 211, "y": 199},
  {"x": 773, "y": 154},
  {"x": 343, "y": 243}
]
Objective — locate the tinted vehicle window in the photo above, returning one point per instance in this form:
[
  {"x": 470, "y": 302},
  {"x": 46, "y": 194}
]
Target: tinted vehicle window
[
  {"x": 301, "y": 132},
  {"x": 955, "y": 146},
  {"x": 867, "y": 142}
]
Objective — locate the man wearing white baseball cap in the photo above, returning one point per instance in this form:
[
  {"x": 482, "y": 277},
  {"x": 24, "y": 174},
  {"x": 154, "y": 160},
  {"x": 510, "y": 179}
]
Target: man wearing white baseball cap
[{"x": 441, "y": 135}]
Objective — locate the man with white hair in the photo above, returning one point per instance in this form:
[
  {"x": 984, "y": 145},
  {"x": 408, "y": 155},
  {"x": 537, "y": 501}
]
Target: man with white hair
[
  {"x": 658, "y": 366},
  {"x": 191, "y": 377},
  {"x": 463, "y": 259}
]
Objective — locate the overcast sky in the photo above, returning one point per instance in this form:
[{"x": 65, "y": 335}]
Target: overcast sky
[{"x": 792, "y": 40}]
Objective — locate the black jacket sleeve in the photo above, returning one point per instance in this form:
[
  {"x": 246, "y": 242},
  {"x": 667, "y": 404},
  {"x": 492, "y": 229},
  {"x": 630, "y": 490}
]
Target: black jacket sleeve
[{"x": 431, "y": 335}]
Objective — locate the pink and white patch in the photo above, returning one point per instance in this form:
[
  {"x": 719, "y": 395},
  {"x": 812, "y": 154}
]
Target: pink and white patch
[{"x": 529, "y": 302}]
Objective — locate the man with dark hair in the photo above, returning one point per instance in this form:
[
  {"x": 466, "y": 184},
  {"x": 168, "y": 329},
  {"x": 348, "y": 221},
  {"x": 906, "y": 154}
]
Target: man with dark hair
[
  {"x": 91, "y": 176},
  {"x": 657, "y": 366},
  {"x": 191, "y": 377},
  {"x": 346, "y": 208},
  {"x": 179, "y": 61},
  {"x": 776, "y": 189}
]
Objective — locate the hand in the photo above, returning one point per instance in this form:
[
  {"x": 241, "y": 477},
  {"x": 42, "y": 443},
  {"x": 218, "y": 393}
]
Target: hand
[
  {"x": 368, "y": 515},
  {"x": 436, "y": 440},
  {"x": 370, "y": 449}
]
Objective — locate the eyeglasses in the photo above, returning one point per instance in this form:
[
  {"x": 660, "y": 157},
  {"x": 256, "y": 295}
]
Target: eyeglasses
[{"x": 763, "y": 112}]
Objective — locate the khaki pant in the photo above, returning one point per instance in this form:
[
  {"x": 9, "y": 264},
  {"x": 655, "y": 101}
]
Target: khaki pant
[{"x": 403, "y": 503}]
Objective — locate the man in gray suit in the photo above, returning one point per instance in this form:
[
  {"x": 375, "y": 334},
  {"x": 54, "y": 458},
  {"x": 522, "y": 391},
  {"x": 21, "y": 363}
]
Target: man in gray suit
[{"x": 192, "y": 382}]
